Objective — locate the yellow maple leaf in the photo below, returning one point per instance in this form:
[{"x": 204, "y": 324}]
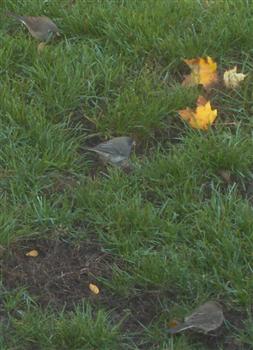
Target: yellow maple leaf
[
  {"x": 203, "y": 71},
  {"x": 33, "y": 253},
  {"x": 93, "y": 288},
  {"x": 200, "y": 118},
  {"x": 232, "y": 79}
]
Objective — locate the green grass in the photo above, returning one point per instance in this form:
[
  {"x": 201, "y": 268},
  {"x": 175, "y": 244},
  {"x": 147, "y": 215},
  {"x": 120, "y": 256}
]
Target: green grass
[{"x": 173, "y": 227}]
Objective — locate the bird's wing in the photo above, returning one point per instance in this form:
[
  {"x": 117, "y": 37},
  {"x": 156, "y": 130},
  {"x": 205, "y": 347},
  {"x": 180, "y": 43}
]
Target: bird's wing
[
  {"x": 196, "y": 318},
  {"x": 107, "y": 147},
  {"x": 36, "y": 23}
]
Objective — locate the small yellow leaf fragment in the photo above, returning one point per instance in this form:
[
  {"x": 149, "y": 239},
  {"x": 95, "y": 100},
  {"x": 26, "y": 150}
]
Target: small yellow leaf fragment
[
  {"x": 203, "y": 71},
  {"x": 173, "y": 324},
  {"x": 93, "y": 288},
  {"x": 232, "y": 79},
  {"x": 33, "y": 253},
  {"x": 41, "y": 47},
  {"x": 200, "y": 118}
]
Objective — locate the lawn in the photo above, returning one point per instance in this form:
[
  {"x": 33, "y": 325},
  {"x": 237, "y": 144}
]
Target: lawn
[{"x": 158, "y": 241}]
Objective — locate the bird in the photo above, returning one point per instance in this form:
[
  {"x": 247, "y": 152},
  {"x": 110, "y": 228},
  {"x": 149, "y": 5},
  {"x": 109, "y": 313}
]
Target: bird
[
  {"x": 207, "y": 317},
  {"x": 115, "y": 151},
  {"x": 41, "y": 28}
]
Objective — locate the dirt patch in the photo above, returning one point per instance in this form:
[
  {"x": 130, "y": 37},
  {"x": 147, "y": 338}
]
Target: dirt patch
[
  {"x": 215, "y": 341},
  {"x": 137, "y": 310},
  {"x": 59, "y": 276}
]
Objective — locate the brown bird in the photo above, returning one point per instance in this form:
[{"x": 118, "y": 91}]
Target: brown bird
[
  {"x": 205, "y": 318},
  {"x": 41, "y": 28}
]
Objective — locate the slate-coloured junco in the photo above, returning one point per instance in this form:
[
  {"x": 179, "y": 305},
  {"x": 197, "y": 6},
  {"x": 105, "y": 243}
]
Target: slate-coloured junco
[
  {"x": 41, "y": 28},
  {"x": 115, "y": 151},
  {"x": 205, "y": 318}
]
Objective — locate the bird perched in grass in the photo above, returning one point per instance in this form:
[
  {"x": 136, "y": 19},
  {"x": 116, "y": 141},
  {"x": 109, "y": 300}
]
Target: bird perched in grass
[
  {"x": 115, "y": 151},
  {"x": 205, "y": 318},
  {"x": 41, "y": 28}
]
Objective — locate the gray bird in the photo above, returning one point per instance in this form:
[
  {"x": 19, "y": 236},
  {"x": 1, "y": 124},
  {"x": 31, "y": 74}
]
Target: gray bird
[
  {"x": 41, "y": 28},
  {"x": 115, "y": 151},
  {"x": 205, "y": 318}
]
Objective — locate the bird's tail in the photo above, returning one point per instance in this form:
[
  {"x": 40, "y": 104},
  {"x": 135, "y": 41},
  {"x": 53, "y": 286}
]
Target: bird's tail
[
  {"x": 181, "y": 327},
  {"x": 92, "y": 149},
  {"x": 11, "y": 14}
]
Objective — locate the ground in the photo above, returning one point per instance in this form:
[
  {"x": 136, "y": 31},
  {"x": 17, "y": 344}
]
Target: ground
[{"x": 158, "y": 241}]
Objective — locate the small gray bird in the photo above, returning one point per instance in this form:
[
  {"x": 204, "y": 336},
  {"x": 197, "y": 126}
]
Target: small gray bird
[
  {"x": 41, "y": 28},
  {"x": 115, "y": 151},
  {"x": 205, "y": 318}
]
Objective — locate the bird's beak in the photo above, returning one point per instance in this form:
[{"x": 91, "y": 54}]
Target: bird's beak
[{"x": 58, "y": 34}]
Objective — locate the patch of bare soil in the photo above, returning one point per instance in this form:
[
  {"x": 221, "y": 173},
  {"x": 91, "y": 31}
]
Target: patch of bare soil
[{"x": 60, "y": 275}]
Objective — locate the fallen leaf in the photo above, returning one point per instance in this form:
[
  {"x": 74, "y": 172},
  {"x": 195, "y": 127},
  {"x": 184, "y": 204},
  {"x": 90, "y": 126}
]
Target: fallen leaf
[
  {"x": 232, "y": 79},
  {"x": 203, "y": 71},
  {"x": 33, "y": 253},
  {"x": 173, "y": 323},
  {"x": 41, "y": 47},
  {"x": 202, "y": 117},
  {"x": 93, "y": 288}
]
